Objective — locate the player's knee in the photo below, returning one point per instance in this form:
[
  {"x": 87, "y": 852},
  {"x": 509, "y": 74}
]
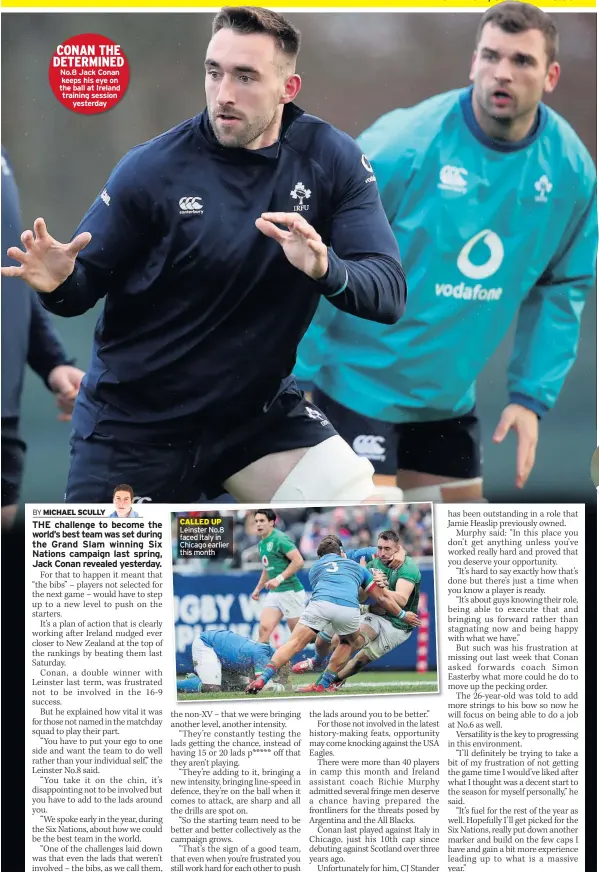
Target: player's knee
[
  {"x": 329, "y": 471},
  {"x": 468, "y": 490},
  {"x": 265, "y": 630}
]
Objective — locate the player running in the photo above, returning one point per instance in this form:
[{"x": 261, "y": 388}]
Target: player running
[
  {"x": 225, "y": 661},
  {"x": 336, "y": 582},
  {"x": 492, "y": 198},
  {"x": 381, "y": 630},
  {"x": 213, "y": 244},
  {"x": 282, "y": 561}
]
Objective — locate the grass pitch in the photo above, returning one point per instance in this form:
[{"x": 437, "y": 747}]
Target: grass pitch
[{"x": 363, "y": 684}]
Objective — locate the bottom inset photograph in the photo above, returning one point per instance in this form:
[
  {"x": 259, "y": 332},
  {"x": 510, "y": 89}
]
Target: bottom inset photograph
[{"x": 304, "y": 601}]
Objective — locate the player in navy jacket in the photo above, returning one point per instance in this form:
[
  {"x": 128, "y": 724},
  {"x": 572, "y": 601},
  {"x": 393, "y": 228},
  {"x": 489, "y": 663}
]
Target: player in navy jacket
[
  {"x": 28, "y": 338},
  {"x": 213, "y": 244}
]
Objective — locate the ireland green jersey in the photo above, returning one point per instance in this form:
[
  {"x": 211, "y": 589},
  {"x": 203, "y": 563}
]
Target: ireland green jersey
[
  {"x": 273, "y": 554},
  {"x": 408, "y": 571}
]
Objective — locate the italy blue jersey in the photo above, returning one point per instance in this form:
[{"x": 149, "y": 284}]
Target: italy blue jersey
[
  {"x": 489, "y": 231},
  {"x": 356, "y": 554},
  {"x": 338, "y": 580},
  {"x": 236, "y": 652}
]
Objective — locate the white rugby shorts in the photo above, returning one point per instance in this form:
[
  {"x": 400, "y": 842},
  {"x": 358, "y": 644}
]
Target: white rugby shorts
[
  {"x": 388, "y": 637},
  {"x": 323, "y": 614},
  {"x": 291, "y": 603}
]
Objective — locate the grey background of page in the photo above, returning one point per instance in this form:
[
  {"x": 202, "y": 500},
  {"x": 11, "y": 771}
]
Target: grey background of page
[{"x": 355, "y": 67}]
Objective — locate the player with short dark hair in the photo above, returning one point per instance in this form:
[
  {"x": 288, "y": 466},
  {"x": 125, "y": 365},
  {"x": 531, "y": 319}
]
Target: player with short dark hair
[
  {"x": 212, "y": 245},
  {"x": 330, "y": 544},
  {"x": 491, "y": 196},
  {"x": 282, "y": 561},
  {"x": 253, "y": 19},
  {"x": 519, "y": 18}
]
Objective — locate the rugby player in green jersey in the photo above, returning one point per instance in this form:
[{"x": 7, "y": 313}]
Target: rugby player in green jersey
[{"x": 282, "y": 561}]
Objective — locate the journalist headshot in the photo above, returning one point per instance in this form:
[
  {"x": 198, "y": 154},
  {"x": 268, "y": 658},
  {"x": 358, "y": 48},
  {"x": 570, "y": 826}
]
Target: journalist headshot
[{"x": 122, "y": 500}]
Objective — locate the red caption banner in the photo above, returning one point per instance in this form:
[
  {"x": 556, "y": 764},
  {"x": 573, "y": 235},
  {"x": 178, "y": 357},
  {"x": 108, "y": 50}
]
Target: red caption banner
[{"x": 89, "y": 73}]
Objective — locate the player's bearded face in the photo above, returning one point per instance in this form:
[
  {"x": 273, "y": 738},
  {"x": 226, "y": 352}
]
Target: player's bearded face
[
  {"x": 245, "y": 83},
  {"x": 510, "y": 73},
  {"x": 385, "y": 551}
]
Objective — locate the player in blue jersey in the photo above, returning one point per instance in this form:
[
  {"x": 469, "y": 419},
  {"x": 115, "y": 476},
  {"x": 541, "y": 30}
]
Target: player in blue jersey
[
  {"x": 337, "y": 584},
  {"x": 212, "y": 245},
  {"x": 226, "y": 661},
  {"x": 492, "y": 198}
]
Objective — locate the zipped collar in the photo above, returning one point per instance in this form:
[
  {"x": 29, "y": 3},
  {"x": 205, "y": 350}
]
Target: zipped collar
[{"x": 291, "y": 113}]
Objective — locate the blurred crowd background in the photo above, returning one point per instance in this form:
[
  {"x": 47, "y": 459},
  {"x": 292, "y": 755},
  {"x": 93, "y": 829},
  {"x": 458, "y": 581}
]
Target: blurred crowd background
[
  {"x": 357, "y": 527},
  {"x": 355, "y": 67}
]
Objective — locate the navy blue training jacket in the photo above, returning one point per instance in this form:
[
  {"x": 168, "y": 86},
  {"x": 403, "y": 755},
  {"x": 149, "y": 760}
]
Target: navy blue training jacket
[
  {"x": 203, "y": 313},
  {"x": 28, "y": 336}
]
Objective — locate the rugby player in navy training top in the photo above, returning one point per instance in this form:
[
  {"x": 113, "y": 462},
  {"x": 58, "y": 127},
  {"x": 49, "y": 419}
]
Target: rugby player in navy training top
[
  {"x": 213, "y": 244},
  {"x": 28, "y": 339}
]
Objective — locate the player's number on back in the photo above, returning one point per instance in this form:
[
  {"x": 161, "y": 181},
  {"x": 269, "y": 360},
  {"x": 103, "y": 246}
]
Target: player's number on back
[{"x": 331, "y": 567}]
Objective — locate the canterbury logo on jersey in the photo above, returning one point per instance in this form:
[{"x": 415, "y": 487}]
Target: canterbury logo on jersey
[
  {"x": 372, "y": 447},
  {"x": 453, "y": 179},
  {"x": 190, "y": 205}
]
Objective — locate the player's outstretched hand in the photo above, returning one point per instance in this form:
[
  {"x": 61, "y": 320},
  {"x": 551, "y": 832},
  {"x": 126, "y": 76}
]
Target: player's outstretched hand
[
  {"x": 526, "y": 425},
  {"x": 398, "y": 558},
  {"x": 301, "y": 243},
  {"x": 412, "y": 619},
  {"x": 45, "y": 262}
]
